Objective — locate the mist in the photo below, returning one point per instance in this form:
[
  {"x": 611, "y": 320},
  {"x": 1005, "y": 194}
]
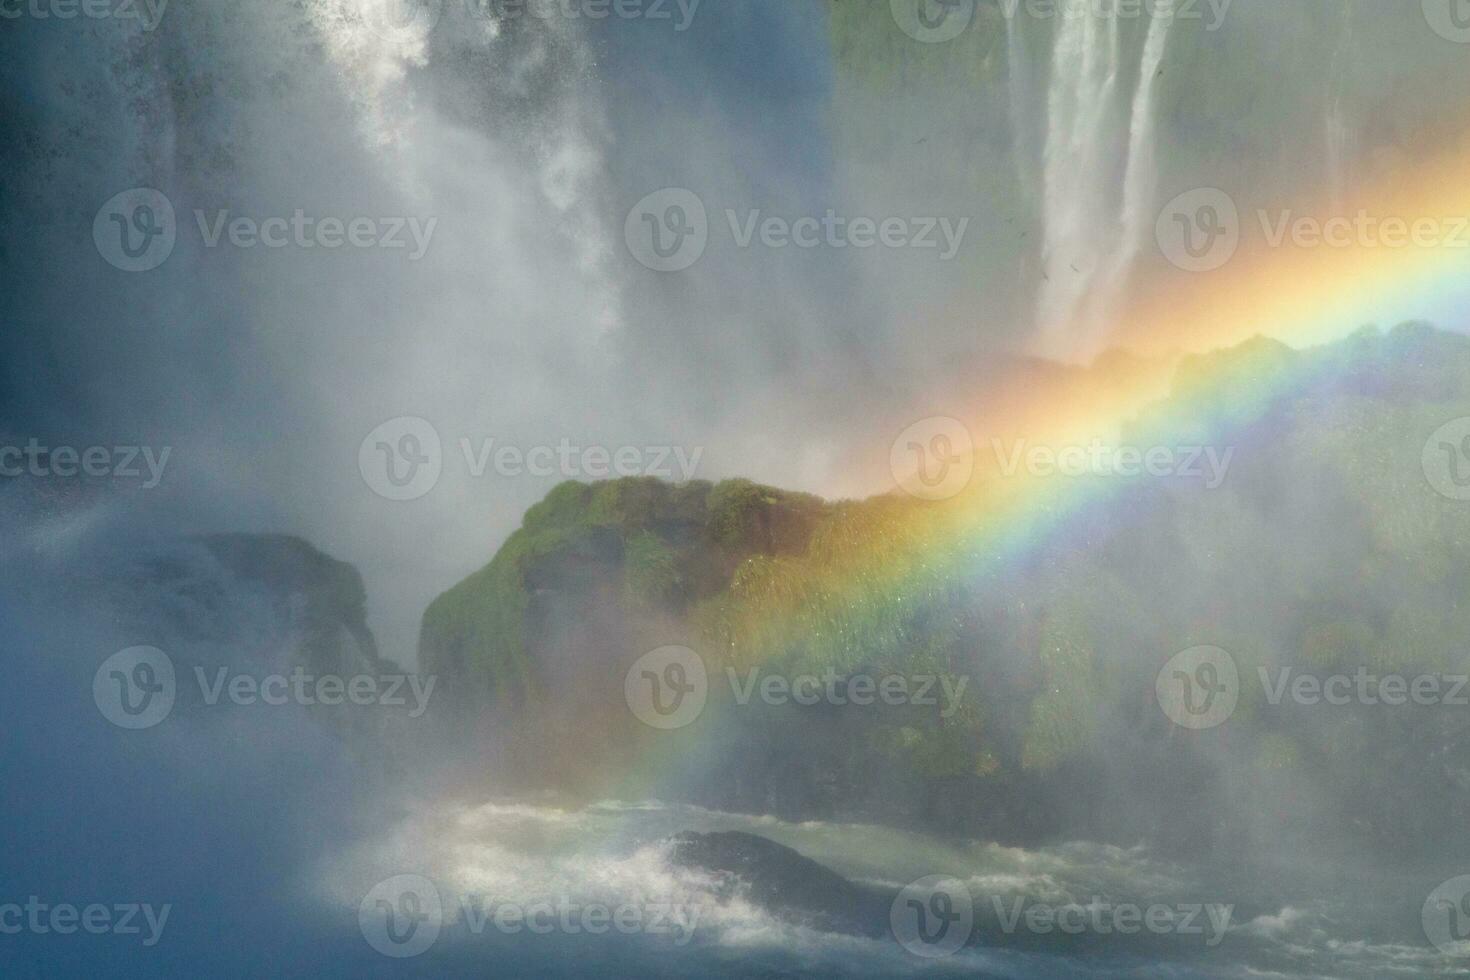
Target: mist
[
  {"x": 526, "y": 320},
  {"x": 404, "y": 297}
]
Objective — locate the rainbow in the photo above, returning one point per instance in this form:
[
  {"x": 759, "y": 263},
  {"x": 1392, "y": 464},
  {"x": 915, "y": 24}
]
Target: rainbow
[
  {"x": 850, "y": 593},
  {"x": 1301, "y": 296}
]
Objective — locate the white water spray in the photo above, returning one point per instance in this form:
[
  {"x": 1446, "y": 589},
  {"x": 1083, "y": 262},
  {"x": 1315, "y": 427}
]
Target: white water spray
[
  {"x": 1020, "y": 91},
  {"x": 1141, "y": 177},
  {"x": 1338, "y": 129},
  {"x": 1077, "y": 205}
]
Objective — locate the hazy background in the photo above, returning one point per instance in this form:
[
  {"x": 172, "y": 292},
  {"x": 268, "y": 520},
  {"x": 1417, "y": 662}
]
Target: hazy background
[{"x": 528, "y": 320}]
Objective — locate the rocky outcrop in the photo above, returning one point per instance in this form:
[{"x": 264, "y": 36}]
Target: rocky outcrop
[
  {"x": 782, "y": 882},
  {"x": 240, "y": 608},
  {"x": 1322, "y": 550},
  {"x": 272, "y": 598},
  {"x": 540, "y": 638}
]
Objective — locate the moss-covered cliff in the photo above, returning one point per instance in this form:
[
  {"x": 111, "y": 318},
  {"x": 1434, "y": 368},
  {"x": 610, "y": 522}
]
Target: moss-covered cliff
[
  {"x": 1325, "y": 548},
  {"x": 594, "y": 571}
]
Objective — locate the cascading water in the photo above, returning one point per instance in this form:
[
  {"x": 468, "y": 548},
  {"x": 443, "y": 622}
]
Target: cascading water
[
  {"x": 1021, "y": 101},
  {"x": 323, "y": 107},
  {"x": 529, "y": 324},
  {"x": 1101, "y": 172},
  {"x": 1141, "y": 176},
  {"x": 1339, "y": 131},
  {"x": 1077, "y": 207}
]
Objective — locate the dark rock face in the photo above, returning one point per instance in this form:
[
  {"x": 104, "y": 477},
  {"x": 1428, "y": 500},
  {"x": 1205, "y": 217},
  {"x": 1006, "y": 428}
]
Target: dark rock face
[
  {"x": 257, "y": 599},
  {"x": 783, "y": 882},
  {"x": 226, "y": 606}
]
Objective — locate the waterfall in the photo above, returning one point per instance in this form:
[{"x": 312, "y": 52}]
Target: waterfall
[
  {"x": 1338, "y": 131},
  {"x": 1141, "y": 175},
  {"x": 1020, "y": 92},
  {"x": 1101, "y": 173},
  {"x": 485, "y": 127},
  {"x": 1076, "y": 190}
]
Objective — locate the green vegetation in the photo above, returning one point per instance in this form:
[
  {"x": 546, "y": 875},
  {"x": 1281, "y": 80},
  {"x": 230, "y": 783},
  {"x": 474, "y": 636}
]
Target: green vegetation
[{"x": 1326, "y": 549}]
